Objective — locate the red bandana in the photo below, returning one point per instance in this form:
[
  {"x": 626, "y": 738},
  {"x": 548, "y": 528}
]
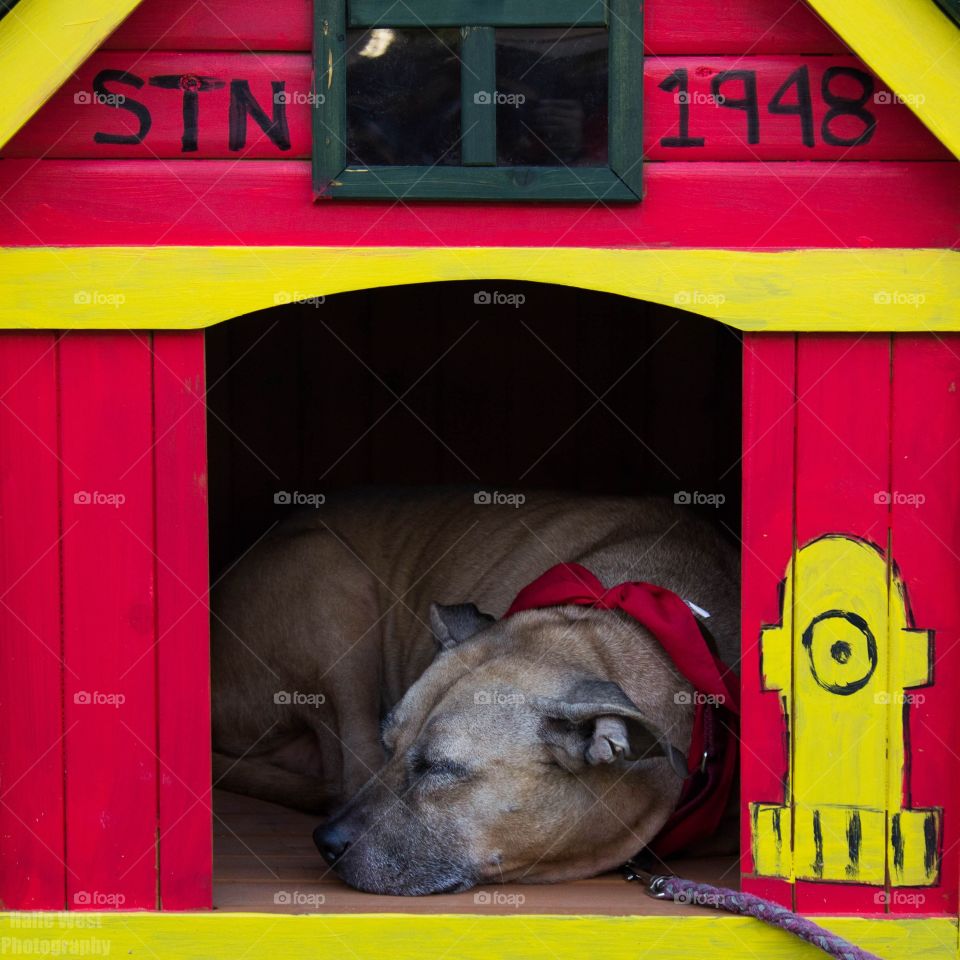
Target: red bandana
[{"x": 712, "y": 759}]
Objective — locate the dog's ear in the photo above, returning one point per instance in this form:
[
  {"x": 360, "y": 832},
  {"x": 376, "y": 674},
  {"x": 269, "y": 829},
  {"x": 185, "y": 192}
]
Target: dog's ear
[
  {"x": 453, "y": 623},
  {"x": 595, "y": 722}
]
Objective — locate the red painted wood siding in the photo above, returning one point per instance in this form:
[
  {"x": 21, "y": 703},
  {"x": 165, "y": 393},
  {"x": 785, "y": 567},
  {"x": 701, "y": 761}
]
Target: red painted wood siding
[
  {"x": 702, "y": 26},
  {"x": 738, "y": 205},
  {"x": 868, "y": 448},
  {"x": 33, "y": 874},
  {"x": 925, "y": 544},
  {"x": 68, "y": 124},
  {"x": 778, "y": 205},
  {"x": 183, "y": 655},
  {"x": 769, "y": 435},
  {"x": 96, "y": 440}
]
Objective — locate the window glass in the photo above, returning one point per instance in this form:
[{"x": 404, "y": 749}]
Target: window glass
[
  {"x": 551, "y": 96},
  {"x": 403, "y": 96}
]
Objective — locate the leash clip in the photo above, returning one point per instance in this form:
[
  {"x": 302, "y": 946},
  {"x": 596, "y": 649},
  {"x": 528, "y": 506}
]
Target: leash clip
[{"x": 653, "y": 883}]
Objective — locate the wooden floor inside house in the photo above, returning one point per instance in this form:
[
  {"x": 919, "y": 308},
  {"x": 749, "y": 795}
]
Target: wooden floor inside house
[{"x": 265, "y": 861}]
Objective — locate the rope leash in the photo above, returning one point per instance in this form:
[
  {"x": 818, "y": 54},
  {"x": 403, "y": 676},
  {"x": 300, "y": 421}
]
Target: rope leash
[{"x": 720, "y": 898}]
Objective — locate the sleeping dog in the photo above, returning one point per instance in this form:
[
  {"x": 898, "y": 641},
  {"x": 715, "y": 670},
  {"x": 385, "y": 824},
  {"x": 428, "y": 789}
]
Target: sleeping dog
[{"x": 363, "y": 670}]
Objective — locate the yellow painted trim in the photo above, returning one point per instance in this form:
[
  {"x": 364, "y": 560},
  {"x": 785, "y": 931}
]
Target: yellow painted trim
[
  {"x": 157, "y": 936},
  {"x": 913, "y": 47},
  {"x": 191, "y": 287},
  {"x": 41, "y": 43}
]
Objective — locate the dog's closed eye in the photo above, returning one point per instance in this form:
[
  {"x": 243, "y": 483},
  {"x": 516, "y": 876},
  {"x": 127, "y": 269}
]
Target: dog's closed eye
[{"x": 421, "y": 766}]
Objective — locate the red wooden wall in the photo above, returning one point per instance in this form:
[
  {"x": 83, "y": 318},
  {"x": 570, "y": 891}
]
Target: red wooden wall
[
  {"x": 215, "y": 195},
  {"x": 118, "y": 413},
  {"x": 104, "y": 758},
  {"x": 831, "y": 424}
]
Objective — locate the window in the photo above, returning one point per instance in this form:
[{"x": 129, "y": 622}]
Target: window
[{"x": 478, "y": 99}]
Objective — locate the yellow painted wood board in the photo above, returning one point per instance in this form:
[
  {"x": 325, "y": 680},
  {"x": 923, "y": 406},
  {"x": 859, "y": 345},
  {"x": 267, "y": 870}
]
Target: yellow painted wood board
[
  {"x": 193, "y": 287},
  {"x": 466, "y": 937},
  {"x": 913, "y": 47},
  {"x": 41, "y": 43}
]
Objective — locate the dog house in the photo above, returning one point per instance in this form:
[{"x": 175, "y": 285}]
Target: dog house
[{"x": 782, "y": 170}]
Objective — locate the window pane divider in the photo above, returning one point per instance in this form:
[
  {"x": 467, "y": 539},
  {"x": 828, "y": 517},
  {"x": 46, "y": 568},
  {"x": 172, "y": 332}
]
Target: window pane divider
[{"x": 478, "y": 101}]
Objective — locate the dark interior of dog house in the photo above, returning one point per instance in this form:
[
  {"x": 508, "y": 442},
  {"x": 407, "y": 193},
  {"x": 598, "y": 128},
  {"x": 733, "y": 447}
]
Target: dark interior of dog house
[{"x": 492, "y": 387}]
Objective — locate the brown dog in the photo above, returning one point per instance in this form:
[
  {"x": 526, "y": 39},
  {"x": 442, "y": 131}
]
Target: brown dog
[{"x": 354, "y": 677}]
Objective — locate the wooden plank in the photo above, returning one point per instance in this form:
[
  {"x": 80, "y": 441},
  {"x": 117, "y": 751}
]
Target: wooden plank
[
  {"x": 459, "y": 13},
  {"x": 341, "y": 404},
  {"x": 539, "y": 345},
  {"x": 216, "y": 25},
  {"x": 470, "y": 372},
  {"x": 925, "y": 539},
  {"x": 555, "y": 184},
  {"x": 329, "y": 113},
  {"x": 256, "y": 936},
  {"x": 626, "y": 72},
  {"x": 109, "y": 621},
  {"x": 401, "y": 375},
  {"x": 807, "y": 289},
  {"x": 702, "y": 26},
  {"x": 768, "y": 469},
  {"x": 478, "y": 81},
  {"x": 843, "y": 460},
  {"x": 78, "y": 117},
  {"x": 139, "y": 202},
  {"x": 815, "y": 108},
  {"x": 183, "y": 658},
  {"x": 32, "y": 872},
  {"x": 41, "y": 45}
]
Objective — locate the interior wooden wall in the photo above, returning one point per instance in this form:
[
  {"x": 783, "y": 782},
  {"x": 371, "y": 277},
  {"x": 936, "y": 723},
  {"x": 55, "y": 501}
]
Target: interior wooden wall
[{"x": 420, "y": 385}]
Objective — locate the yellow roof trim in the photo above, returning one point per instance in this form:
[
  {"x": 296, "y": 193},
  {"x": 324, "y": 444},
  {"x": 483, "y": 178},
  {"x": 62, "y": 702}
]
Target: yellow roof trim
[
  {"x": 41, "y": 43},
  {"x": 913, "y": 47}
]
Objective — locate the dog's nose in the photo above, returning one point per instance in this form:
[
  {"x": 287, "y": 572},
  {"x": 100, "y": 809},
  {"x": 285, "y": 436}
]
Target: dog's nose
[{"x": 332, "y": 841}]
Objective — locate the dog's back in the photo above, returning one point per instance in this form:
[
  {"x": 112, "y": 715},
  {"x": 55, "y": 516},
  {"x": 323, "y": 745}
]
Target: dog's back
[{"x": 335, "y": 604}]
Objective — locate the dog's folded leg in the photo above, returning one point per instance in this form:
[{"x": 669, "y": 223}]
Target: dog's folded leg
[{"x": 258, "y": 778}]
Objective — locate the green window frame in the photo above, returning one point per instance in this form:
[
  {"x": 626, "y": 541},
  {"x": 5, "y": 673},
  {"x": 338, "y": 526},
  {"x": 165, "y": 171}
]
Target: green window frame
[{"x": 477, "y": 177}]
